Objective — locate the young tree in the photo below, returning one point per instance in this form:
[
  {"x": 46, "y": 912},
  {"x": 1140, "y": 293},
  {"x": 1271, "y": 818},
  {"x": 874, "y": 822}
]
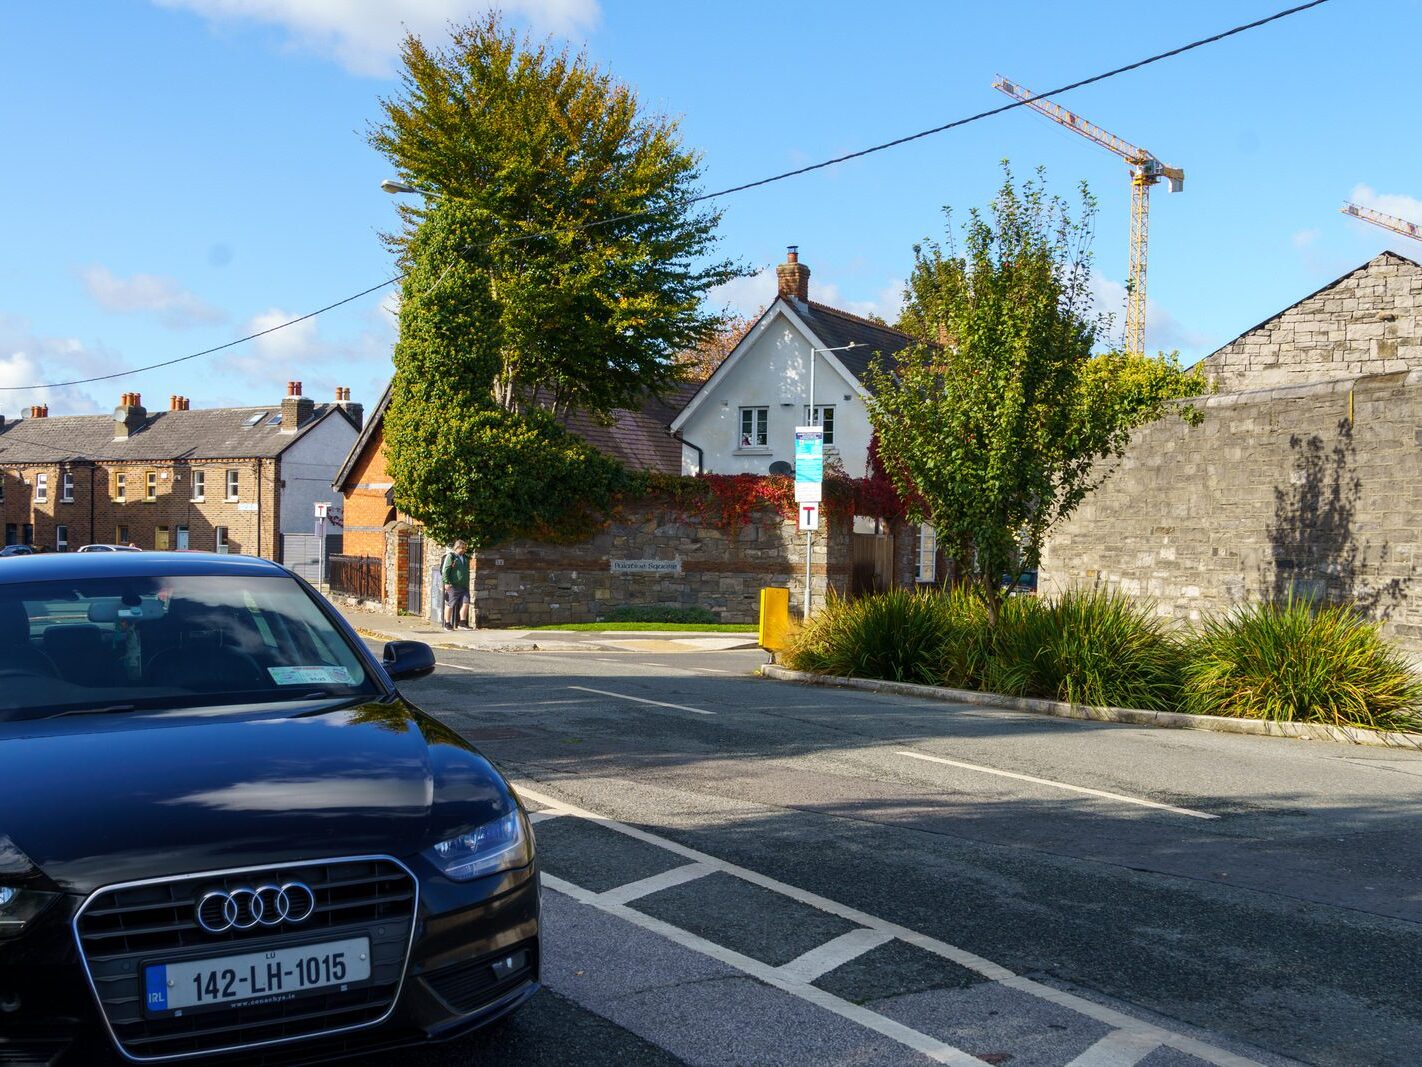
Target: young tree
[
  {"x": 595, "y": 258},
  {"x": 994, "y": 423},
  {"x": 700, "y": 362}
]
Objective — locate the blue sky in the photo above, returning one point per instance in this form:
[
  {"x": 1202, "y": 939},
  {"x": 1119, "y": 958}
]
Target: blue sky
[{"x": 180, "y": 171}]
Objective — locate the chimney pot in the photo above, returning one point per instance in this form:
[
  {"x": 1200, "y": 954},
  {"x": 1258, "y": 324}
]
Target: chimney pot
[
  {"x": 793, "y": 277},
  {"x": 293, "y": 388}
]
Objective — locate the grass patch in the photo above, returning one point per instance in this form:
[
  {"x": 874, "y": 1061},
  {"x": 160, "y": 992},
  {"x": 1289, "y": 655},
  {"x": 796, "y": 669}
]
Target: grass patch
[
  {"x": 1293, "y": 662},
  {"x": 678, "y": 627},
  {"x": 660, "y": 613}
]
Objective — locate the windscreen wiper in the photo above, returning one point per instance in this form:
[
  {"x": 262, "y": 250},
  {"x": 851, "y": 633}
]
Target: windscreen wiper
[{"x": 105, "y": 710}]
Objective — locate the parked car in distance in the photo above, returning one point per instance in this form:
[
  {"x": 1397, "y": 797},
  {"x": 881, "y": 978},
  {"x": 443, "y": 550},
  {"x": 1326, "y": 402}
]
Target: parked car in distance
[
  {"x": 109, "y": 548},
  {"x": 17, "y": 550},
  {"x": 226, "y": 831}
]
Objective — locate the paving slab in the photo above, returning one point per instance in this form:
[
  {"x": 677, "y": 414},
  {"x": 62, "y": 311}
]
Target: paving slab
[{"x": 997, "y": 1024}]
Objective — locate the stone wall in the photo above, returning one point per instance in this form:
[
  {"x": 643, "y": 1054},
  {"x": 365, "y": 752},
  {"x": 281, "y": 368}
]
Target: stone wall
[
  {"x": 1367, "y": 322},
  {"x": 528, "y": 583},
  {"x": 1314, "y": 490}
]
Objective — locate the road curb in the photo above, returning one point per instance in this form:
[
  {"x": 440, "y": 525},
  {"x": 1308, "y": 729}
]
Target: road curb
[{"x": 1170, "y": 720}]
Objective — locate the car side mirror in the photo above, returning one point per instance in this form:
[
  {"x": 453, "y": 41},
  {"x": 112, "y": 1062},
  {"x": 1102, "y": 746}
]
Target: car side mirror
[{"x": 408, "y": 659}]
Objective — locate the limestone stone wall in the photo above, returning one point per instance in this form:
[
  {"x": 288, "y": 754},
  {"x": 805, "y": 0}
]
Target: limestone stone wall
[
  {"x": 529, "y": 583},
  {"x": 1367, "y": 322},
  {"x": 1314, "y": 490}
]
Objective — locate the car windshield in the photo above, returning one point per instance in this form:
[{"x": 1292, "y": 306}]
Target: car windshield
[{"x": 146, "y": 643}]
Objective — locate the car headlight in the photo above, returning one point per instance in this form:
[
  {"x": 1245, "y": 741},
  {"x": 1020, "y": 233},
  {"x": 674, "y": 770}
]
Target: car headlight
[
  {"x": 496, "y": 846},
  {"x": 18, "y": 906}
]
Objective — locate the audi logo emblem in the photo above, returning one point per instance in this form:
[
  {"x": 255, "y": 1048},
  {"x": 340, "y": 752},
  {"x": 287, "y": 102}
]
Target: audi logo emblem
[{"x": 266, "y": 905}]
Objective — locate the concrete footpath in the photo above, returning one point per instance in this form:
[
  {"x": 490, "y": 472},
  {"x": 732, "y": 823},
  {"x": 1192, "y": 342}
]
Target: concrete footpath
[{"x": 384, "y": 627}]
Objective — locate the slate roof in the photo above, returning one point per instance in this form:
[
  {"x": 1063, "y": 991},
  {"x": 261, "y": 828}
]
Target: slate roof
[
  {"x": 638, "y": 439},
  {"x": 836, "y": 328},
  {"x": 195, "y": 434}
]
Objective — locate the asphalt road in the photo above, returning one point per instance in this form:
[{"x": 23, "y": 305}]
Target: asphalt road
[{"x": 744, "y": 871}]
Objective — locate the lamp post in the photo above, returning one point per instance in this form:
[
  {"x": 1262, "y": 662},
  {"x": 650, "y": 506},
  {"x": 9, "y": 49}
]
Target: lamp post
[
  {"x": 815, "y": 421},
  {"x": 399, "y": 188}
]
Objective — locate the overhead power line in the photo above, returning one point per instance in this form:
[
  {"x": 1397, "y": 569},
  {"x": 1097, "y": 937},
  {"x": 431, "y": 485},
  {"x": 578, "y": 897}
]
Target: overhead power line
[{"x": 728, "y": 191}]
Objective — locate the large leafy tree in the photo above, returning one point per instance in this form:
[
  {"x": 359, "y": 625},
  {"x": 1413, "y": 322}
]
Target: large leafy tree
[
  {"x": 463, "y": 464},
  {"x": 595, "y": 261},
  {"x": 994, "y": 424}
]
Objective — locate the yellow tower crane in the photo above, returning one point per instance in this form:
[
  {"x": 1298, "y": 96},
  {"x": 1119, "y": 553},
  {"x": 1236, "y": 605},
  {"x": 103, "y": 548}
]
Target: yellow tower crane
[
  {"x": 1387, "y": 222},
  {"x": 1146, "y": 171}
]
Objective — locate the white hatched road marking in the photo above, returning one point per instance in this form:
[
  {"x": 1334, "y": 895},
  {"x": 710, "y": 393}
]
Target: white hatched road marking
[
  {"x": 1058, "y": 785},
  {"x": 1124, "y": 1024},
  {"x": 836, "y": 953},
  {"x": 1117, "y": 1049},
  {"x": 641, "y": 700},
  {"x": 929, "y": 1046},
  {"x": 624, "y": 894}
]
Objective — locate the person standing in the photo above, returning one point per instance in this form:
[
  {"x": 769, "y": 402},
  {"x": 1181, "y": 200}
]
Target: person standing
[{"x": 454, "y": 572}]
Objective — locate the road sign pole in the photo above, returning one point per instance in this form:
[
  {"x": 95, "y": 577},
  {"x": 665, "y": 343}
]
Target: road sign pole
[{"x": 809, "y": 552}]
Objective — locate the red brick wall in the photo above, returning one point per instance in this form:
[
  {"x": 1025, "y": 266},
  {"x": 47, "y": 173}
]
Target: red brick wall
[{"x": 366, "y": 509}]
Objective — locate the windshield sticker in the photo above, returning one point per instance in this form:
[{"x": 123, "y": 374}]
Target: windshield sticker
[{"x": 310, "y": 675}]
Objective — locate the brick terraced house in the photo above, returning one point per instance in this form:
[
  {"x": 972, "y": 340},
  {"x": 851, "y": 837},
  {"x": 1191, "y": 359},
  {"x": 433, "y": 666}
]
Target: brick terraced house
[{"x": 239, "y": 480}]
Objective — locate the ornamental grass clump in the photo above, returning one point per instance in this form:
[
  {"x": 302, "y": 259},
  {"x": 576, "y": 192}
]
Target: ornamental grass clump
[
  {"x": 899, "y": 636},
  {"x": 1293, "y": 662},
  {"x": 1085, "y": 647}
]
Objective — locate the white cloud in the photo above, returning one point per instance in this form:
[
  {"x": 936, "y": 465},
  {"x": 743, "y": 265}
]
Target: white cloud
[
  {"x": 1398, "y": 204},
  {"x": 744, "y": 296},
  {"x": 27, "y": 359},
  {"x": 364, "y": 35},
  {"x": 174, "y": 305},
  {"x": 1305, "y": 238},
  {"x": 1164, "y": 332}
]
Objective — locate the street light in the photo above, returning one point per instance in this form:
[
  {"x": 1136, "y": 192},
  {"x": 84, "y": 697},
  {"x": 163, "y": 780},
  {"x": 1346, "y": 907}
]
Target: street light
[
  {"x": 814, "y": 421},
  {"x": 397, "y": 188}
]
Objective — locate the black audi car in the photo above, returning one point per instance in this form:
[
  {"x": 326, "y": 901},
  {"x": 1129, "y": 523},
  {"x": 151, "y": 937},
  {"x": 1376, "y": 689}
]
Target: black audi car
[{"x": 224, "y": 833}]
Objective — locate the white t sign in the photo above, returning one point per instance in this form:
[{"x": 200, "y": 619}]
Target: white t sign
[{"x": 809, "y": 517}]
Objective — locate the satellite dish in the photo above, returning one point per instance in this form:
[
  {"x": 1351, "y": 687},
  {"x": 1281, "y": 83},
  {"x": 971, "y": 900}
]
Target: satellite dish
[{"x": 781, "y": 467}]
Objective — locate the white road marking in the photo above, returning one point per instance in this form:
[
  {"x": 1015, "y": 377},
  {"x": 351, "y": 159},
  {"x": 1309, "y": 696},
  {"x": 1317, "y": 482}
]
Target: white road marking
[
  {"x": 641, "y": 700},
  {"x": 985, "y": 967},
  {"x": 929, "y": 1046},
  {"x": 1058, "y": 785},
  {"x": 543, "y": 816},
  {"x": 644, "y": 887},
  {"x": 832, "y": 954},
  {"x": 456, "y": 666},
  {"x": 1117, "y": 1049}
]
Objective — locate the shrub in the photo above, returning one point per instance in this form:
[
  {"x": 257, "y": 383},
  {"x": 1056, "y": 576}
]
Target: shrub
[
  {"x": 900, "y": 635},
  {"x": 1292, "y": 662},
  {"x": 659, "y": 613},
  {"x": 1086, "y": 647}
]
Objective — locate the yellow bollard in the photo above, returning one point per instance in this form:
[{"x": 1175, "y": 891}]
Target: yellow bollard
[{"x": 776, "y": 629}]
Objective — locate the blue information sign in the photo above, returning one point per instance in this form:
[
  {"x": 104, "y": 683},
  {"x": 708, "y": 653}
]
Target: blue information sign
[{"x": 809, "y": 463}]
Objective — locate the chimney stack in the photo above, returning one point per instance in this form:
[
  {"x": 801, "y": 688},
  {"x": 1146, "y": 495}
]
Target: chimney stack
[
  {"x": 793, "y": 277},
  {"x": 128, "y": 416},
  {"x": 356, "y": 412},
  {"x": 295, "y": 408},
  {"x": 177, "y": 403},
  {"x": 39, "y": 411}
]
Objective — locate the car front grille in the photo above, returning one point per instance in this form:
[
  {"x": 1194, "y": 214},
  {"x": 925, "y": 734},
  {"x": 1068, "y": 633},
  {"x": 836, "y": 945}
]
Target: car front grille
[
  {"x": 467, "y": 987},
  {"x": 122, "y": 929}
]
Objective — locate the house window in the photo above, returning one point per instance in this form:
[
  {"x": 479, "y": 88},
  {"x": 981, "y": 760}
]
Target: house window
[
  {"x": 150, "y": 485},
  {"x": 822, "y": 417},
  {"x": 233, "y": 484},
  {"x": 121, "y": 535},
  {"x": 61, "y": 538},
  {"x": 66, "y": 487},
  {"x": 199, "y": 485},
  {"x": 2, "y": 487},
  {"x": 755, "y": 427},
  {"x": 41, "y": 488},
  {"x": 120, "y": 486},
  {"x": 221, "y": 546},
  {"x": 160, "y": 539},
  {"x": 927, "y": 553},
  {"x": 12, "y": 533}
]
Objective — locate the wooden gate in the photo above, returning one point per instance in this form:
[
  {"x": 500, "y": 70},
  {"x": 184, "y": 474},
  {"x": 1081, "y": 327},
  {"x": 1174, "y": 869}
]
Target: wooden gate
[{"x": 872, "y": 564}]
